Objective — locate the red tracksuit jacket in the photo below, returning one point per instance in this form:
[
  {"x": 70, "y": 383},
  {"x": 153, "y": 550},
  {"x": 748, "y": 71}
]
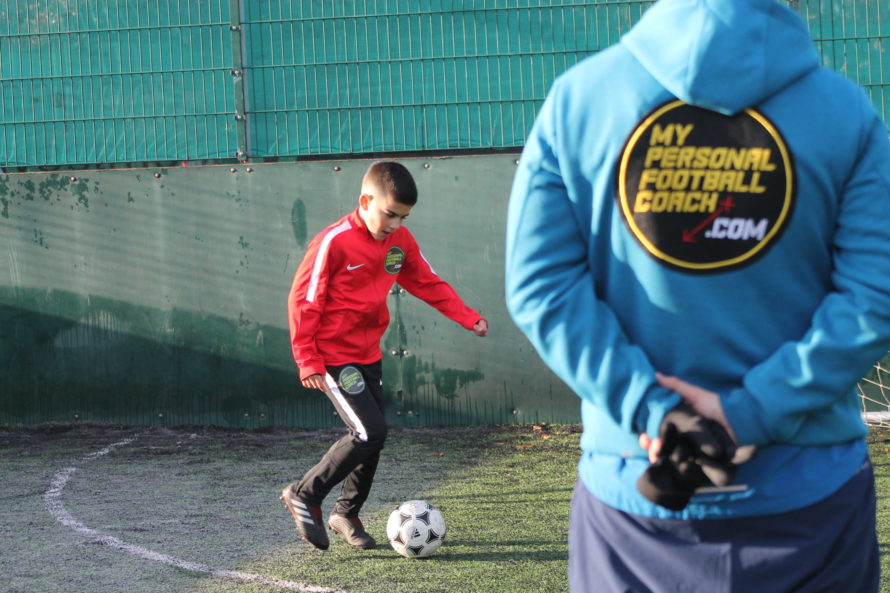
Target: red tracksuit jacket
[{"x": 337, "y": 304}]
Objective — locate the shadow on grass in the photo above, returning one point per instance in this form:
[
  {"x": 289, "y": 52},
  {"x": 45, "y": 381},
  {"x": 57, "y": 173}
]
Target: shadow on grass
[
  {"x": 532, "y": 555},
  {"x": 486, "y": 497}
]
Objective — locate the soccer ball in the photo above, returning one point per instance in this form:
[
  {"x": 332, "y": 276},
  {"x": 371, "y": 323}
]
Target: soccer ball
[{"x": 416, "y": 529}]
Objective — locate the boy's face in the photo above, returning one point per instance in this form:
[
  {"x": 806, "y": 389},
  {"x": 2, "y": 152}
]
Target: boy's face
[{"x": 382, "y": 214}]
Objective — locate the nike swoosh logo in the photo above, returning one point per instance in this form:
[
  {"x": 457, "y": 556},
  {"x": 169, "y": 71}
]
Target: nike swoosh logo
[{"x": 350, "y": 268}]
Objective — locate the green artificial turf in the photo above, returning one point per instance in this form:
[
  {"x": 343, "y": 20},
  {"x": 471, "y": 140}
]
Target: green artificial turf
[
  {"x": 879, "y": 449},
  {"x": 504, "y": 493},
  {"x": 210, "y": 497}
]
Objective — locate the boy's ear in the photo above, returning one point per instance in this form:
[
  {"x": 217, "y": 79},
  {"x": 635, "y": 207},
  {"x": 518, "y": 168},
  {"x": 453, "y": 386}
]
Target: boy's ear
[{"x": 364, "y": 200}]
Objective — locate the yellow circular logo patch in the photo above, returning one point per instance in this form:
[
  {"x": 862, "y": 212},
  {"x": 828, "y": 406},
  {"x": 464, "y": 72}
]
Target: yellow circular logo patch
[
  {"x": 704, "y": 192},
  {"x": 351, "y": 380},
  {"x": 395, "y": 257}
]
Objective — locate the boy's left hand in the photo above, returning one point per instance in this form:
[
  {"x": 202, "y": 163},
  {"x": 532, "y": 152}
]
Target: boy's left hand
[{"x": 481, "y": 327}]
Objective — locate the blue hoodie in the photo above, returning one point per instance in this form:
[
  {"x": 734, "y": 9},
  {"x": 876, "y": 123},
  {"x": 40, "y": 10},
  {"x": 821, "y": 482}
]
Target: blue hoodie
[{"x": 703, "y": 199}]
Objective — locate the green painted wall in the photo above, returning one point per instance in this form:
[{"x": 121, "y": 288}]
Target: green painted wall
[{"x": 158, "y": 296}]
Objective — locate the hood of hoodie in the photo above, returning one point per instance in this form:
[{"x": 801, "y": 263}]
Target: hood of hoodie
[{"x": 723, "y": 55}]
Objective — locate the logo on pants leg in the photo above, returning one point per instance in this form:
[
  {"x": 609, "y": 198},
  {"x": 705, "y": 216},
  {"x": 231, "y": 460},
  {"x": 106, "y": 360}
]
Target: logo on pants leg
[{"x": 351, "y": 380}]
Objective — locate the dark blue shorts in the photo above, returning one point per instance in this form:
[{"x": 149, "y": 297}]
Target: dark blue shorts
[{"x": 828, "y": 547}]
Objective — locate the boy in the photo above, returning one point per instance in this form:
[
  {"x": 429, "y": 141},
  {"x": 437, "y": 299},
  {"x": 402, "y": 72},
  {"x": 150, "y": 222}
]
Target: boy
[{"x": 337, "y": 309}]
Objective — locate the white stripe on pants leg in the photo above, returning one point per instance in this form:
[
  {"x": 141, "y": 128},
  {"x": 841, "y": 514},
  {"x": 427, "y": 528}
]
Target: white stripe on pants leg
[{"x": 352, "y": 416}]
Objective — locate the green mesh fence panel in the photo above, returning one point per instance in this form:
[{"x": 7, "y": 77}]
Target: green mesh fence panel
[
  {"x": 853, "y": 37},
  {"x": 102, "y": 81},
  {"x": 396, "y": 75}
]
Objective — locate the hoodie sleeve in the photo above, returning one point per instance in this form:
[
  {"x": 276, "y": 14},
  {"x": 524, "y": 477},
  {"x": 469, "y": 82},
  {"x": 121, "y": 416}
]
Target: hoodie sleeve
[
  {"x": 550, "y": 291},
  {"x": 849, "y": 330}
]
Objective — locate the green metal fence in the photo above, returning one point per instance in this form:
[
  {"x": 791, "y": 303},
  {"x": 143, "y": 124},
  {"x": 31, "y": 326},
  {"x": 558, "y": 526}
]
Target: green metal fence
[
  {"x": 383, "y": 76},
  {"x": 853, "y": 37},
  {"x": 102, "y": 82}
]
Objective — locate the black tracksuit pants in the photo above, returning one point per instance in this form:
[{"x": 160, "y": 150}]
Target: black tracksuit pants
[{"x": 356, "y": 390}]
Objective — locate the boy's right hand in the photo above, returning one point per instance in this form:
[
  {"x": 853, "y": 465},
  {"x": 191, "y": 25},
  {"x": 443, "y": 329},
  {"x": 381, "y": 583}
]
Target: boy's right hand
[{"x": 315, "y": 382}]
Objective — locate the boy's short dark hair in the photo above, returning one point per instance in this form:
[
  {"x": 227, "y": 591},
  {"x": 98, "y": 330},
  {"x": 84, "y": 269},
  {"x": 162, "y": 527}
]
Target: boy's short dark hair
[{"x": 393, "y": 179}]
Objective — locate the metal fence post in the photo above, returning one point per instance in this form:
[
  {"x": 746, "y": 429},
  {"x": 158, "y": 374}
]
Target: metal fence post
[{"x": 237, "y": 35}]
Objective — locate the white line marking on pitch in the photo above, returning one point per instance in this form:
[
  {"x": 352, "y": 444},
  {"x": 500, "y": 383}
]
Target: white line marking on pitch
[{"x": 52, "y": 501}]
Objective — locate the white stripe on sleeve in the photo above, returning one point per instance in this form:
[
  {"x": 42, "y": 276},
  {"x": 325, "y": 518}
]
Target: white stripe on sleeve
[
  {"x": 427, "y": 262},
  {"x": 320, "y": 257}
]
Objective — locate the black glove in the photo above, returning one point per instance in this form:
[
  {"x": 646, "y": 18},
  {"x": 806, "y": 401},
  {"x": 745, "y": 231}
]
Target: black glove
[{"x": 695, "y": 452}]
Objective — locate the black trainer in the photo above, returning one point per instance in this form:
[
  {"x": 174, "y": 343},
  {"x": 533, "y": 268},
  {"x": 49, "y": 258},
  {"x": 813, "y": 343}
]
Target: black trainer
[
  {"x": 308, "y": 519},
  {"x": 352, "y": 530}
]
